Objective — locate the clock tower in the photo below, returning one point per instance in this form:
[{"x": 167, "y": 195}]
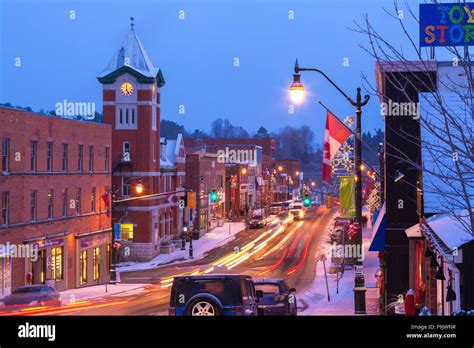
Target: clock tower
[{"x": 131, "y": 106}]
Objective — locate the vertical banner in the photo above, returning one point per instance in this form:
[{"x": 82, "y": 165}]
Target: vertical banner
[
  {"x": 117, "y": 231},
  {"x": 347, "y": 196}
]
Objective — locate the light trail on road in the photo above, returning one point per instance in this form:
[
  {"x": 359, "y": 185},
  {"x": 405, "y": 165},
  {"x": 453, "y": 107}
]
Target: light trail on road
[{"x": 232, "y": 260}]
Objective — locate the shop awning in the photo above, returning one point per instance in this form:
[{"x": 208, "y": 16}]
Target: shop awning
[
  {"x": 414, "y": 231},
  {"x": 378, "y": 232},
  {"x": 45, "y": 237}
]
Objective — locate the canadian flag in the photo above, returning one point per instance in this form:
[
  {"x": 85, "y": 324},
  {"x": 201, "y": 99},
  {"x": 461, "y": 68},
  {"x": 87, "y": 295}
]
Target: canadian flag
[
  {"x": 105, "y": 198},
  {"x": 335, "y": 134}
]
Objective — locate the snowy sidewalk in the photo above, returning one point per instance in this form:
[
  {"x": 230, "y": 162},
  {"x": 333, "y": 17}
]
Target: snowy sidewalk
[
  {"x": 217, "y": 237},
  {"x": 103, "y": 290},
  {"x": 314, "y": 299}
]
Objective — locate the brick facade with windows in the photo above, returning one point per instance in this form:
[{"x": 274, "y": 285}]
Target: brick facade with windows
[
  {"x": 38, "y": 185},
  {"x": 204, "y": 173}
]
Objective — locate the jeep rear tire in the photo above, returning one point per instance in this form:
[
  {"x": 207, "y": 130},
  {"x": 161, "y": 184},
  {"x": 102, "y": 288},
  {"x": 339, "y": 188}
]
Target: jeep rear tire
[{"x": 203, "y": 307}]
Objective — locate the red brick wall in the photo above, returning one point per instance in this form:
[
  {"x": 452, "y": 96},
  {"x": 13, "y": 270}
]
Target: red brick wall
[{"x": 21, "y": 127}]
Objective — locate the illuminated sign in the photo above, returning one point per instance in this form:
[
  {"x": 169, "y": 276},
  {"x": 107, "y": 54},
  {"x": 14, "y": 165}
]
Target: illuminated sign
[{"x": 447, "y": 24}]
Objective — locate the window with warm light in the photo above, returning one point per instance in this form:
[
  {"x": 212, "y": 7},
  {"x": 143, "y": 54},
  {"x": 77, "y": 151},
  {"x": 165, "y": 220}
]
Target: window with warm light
[
  {"x": 57, "y": 263},
  {"x": 83, "y": 265},
  {"x": 126, "y": 232},
  {"x": 96, "y": 262}
]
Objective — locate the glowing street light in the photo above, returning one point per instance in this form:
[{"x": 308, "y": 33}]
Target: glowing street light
[
  {"x": 296, "y": 89},
  {"x": 244, "y": 171},
  {"x": 280, "y": 168},
  {"x": 139, "y": 188}
]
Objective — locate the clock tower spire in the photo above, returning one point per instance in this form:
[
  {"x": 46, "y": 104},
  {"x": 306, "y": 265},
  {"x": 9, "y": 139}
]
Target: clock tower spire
[{"x": 131, "y": 106}]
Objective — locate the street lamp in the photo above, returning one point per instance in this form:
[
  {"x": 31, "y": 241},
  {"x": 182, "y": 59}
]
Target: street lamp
[
  {"x": 280, "y": 169},
  {"x": 139, "y": 188},
  {"x": 244, "y": 171},
  {"x": 296, "y": 89},
  {"x": 296, "y": 92},
  {"x": 190, "y": 244}
]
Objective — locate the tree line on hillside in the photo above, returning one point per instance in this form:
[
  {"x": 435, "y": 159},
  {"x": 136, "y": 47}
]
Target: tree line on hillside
[{"x": 291, "y": 142}]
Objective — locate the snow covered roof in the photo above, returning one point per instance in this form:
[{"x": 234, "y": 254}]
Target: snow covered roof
[
  {"x": 453, "y": 231},
  {"x": 131, "y": 56}
]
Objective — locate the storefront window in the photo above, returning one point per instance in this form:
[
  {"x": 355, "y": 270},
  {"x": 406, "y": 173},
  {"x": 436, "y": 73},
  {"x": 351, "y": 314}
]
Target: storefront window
[
  {"x": 57, "y": 263},
  {"x": 419, "y": 273},
  {"x": 96, "y": 262},
  {"x": 126, "y": 232},
  {"x": 83, "y": 265}
]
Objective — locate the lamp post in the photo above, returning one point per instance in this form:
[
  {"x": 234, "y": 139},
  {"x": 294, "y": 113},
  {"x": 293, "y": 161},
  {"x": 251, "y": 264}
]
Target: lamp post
[
  {"x": 190, "y": 244},
  {"x": 297, "y": 95}
]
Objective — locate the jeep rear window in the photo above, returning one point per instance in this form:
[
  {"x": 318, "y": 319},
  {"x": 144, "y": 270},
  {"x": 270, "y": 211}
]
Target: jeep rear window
[
  {"x": 222, "y": 289},
  {"x": 268, "y": 288}
]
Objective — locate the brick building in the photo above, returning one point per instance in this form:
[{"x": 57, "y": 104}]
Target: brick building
[
  {"x": 54, "y": 172},
  {"x": 287, "y": 178},
  {"x": 140, "y": 158},
  {"x": 267, "y": 145},
  {"x": 204, "y": 173},
  {"x": 247, "y": 188}
]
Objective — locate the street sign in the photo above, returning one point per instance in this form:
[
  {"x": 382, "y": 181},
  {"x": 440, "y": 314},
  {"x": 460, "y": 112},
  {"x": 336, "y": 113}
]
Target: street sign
[{"x": 450, "y": 24}]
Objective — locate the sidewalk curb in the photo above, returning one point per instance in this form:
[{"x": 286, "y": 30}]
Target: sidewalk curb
[{"x": 116, "y": 293}]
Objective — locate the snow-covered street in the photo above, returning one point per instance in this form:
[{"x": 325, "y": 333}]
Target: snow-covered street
[{"x": 216, "y": 237}]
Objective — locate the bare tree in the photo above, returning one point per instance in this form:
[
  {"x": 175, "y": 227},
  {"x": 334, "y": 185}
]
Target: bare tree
[{"x": 446, "y": 112}]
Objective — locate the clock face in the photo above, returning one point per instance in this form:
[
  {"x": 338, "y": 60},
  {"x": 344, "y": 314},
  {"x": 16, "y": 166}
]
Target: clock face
[{"x": 126, "y": 89}]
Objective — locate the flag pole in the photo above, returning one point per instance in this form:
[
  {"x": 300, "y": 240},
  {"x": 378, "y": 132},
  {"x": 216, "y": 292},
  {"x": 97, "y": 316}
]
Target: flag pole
[
  {"x": 337, "y": 118},
  {"x": 352, "y": 132}
]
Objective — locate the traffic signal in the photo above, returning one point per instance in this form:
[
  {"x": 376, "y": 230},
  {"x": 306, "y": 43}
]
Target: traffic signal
[
  {"x": 214, "y": 196},
  {"x": 307, "y": 201}
]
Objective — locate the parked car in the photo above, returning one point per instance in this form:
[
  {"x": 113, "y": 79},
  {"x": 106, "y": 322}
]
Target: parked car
[
  {"x": 213, "y": 295},
  {"x": 32, "y": 296},
  {"x": 257, "y": 221},
  {"x": 278, "y": 298},
  {"x": 286, "y": 218}
]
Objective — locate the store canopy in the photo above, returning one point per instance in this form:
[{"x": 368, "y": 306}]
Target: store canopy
[
  {"x": 378, "y": 232},
  {"x": 414, "y": 231}
]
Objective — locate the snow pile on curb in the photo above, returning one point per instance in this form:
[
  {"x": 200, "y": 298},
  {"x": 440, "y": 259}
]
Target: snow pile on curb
[
  {"x": 95, "y": 291},
  {"x": 217, "y": 237}
]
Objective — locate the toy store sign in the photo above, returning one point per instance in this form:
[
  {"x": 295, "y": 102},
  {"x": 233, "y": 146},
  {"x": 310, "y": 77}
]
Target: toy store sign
[{"x": 447, "y": 24}]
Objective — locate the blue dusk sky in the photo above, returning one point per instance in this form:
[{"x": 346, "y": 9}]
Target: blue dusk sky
[{"x": 61, "y": 57}]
